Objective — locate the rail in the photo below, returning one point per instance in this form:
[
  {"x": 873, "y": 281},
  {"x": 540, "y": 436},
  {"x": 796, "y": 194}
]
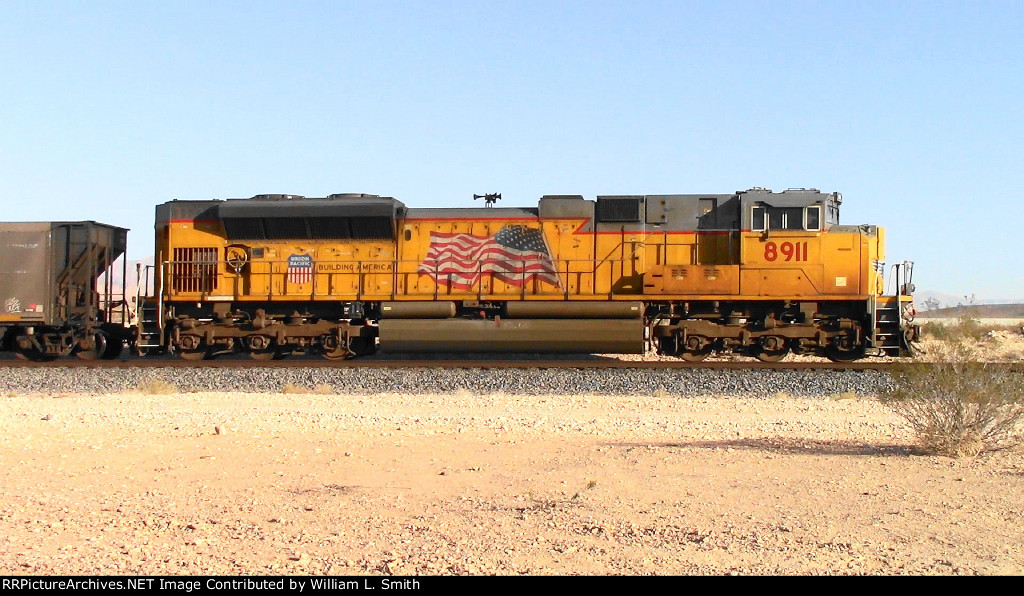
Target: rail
[{"x": 474, "y": 361}]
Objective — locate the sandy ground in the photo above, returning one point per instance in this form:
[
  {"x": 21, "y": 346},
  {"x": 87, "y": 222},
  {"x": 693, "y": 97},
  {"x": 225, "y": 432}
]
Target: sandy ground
[{"x": 466, "y": 484}]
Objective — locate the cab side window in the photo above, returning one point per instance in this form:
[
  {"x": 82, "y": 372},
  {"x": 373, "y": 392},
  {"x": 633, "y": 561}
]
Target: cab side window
[
  {"x": 813, "y": 218},
  {"x": 765, "y": 217}
]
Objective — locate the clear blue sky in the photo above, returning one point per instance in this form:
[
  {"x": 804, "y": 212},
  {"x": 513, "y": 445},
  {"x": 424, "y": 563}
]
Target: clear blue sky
[{"x": 913, "y": 110}]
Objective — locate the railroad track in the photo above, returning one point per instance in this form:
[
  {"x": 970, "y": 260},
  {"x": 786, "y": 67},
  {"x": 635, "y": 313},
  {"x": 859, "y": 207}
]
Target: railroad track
[{"x": 592, "y": 363}]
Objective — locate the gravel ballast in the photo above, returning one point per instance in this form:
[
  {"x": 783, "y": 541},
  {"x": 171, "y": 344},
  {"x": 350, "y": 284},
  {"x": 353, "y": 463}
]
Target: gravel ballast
[{"x": 685, "y": 382}]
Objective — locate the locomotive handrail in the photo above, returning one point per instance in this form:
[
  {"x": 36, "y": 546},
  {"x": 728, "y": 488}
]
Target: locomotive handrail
[
  {"x": 378, "y": 279},
  {"x": 214, "y": 280}
]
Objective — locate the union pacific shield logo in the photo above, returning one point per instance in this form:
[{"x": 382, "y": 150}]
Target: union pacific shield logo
[{"x": 300, "y": 269}]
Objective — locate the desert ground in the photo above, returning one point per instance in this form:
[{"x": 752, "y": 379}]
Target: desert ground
[
  {"x": 318, "y": 483},
  {"x": 463, "y": 484}
]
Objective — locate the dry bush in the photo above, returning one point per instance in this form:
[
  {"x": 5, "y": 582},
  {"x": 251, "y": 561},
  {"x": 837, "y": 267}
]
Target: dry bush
[
  {"x": 965, "y": 328},
  {"x": 322, "y": 389},
  {"x": 939, "y": 331},
  {"x": 961, "y": 408}
]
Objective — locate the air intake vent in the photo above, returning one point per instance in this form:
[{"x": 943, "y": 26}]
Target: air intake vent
[
  {"x": 345, "y": 217},
  {"x": 618, "y": 209},
  {"x": 278, "y": 197}
]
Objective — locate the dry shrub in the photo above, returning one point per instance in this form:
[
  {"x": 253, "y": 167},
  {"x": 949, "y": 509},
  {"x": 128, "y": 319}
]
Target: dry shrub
[
  {"x": 157, "y": 387},
  {"x": 939, "y": 331},
  {"x": 292, "y": 388},
  {"x": 965, "y": 327},
  {"x": 961, "y": 408}
]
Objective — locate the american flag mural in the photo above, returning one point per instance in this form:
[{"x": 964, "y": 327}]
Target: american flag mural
[
  {"x": 300, "y": 269},
  {"x": 515, "y": 255}
]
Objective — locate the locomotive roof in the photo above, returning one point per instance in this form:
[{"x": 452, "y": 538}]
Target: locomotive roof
[
  {"x": 281, "y": 206},
  {"x": 472, "y": 213},
  {"x": 339, "y": 205}
]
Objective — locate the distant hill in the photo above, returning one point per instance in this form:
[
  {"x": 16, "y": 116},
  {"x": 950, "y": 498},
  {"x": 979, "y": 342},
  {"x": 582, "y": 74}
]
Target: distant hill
[
  {"x": 131, "y": 283},
  {"x": 981, "y": 311}
]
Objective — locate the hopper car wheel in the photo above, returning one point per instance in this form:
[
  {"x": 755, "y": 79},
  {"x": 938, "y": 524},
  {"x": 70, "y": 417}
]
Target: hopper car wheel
[{"x": 99, "y": 347}]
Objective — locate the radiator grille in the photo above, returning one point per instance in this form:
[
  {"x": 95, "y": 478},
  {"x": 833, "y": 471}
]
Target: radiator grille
[{"x": 194, "y": 270}]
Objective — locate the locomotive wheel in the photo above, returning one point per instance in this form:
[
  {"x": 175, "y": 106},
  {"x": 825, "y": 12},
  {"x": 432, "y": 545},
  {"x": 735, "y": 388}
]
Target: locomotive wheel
[
  {"x": 362, "y": 346},
  {"x": 695, "y": 348},
  {"x": 262, "y": 348},
  {"x": 262, "y": 355},
  {"x": 770, "y": 348},
  {"x": 197, "y": 354},
  {"x": 841, "y": 354},
  {"x": 99, "y": 347},
  {"x": 113, "y": 351},
  {"x": 334, "y": 347},
  {"x": 695, "y": 356},
  {"x": 335, "y": 354},
  {"x": 771, "y": 356},
  {"x": 273, "y": 353}
]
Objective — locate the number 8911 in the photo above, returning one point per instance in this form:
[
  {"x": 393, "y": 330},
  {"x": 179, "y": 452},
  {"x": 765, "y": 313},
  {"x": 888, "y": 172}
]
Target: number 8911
[{"x": 790, "y": 251}]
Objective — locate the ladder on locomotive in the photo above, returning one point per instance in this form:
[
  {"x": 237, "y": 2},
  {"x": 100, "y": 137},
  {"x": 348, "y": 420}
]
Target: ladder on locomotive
[
  {"x": 887, "y": 316},
  {"x": 148, "y": 327}
]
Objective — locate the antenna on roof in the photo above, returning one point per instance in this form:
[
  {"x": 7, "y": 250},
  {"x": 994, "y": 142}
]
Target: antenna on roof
[{"x": 489, "y": 199}]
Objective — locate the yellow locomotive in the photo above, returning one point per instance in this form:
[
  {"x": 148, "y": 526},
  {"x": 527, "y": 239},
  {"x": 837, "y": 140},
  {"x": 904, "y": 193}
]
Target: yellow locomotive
[{"x": 755, "y": 272}]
